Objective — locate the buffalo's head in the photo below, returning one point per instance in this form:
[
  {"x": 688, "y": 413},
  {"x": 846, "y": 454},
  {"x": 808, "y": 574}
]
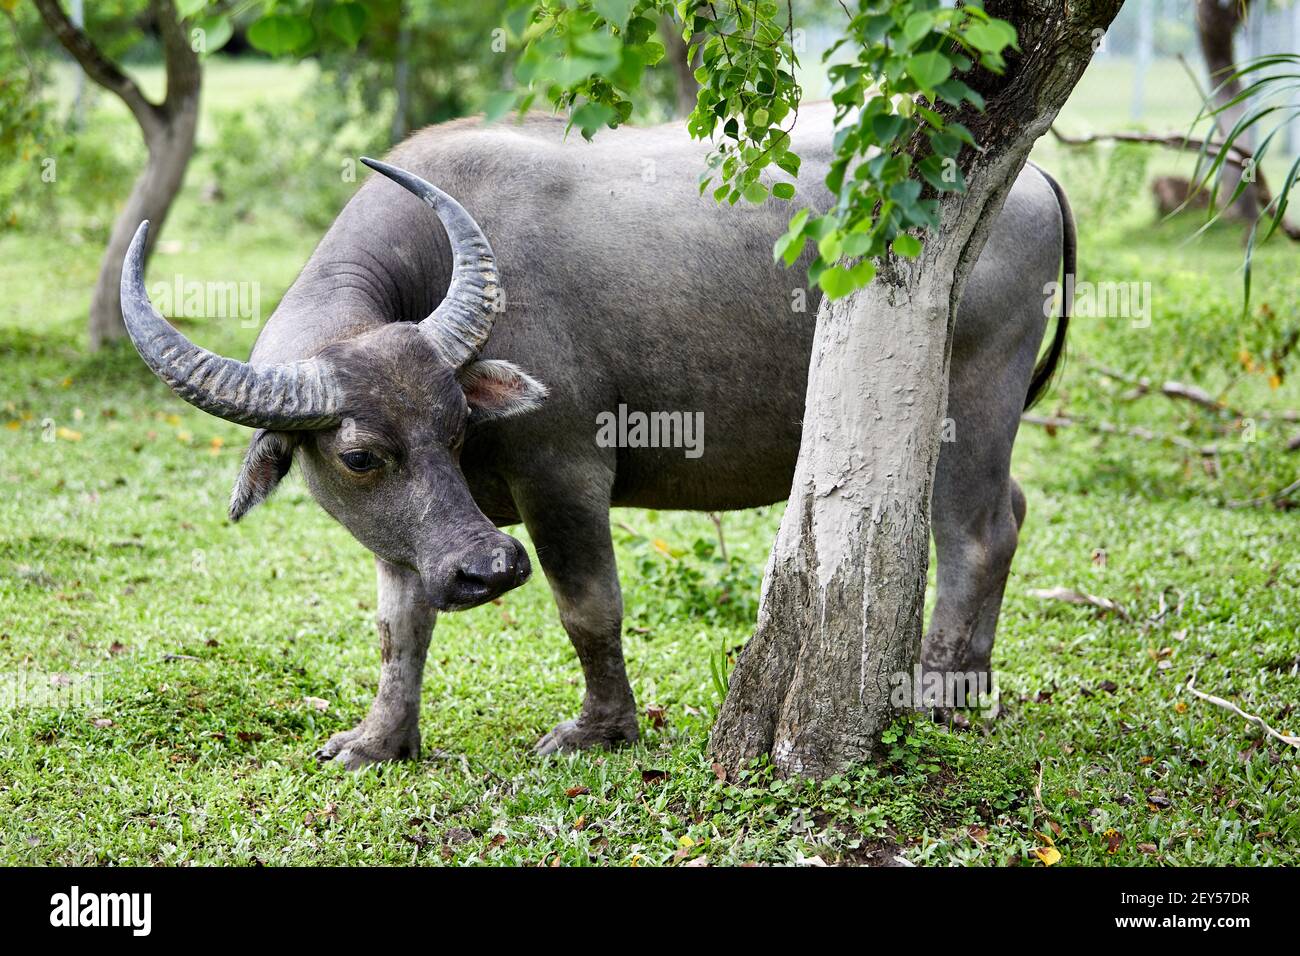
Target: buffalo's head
[{"x": 376, "y": 421}]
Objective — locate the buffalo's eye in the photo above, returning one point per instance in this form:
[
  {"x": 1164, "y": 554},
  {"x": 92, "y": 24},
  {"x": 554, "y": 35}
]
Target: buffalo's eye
[{"x": 360, "y": 461}]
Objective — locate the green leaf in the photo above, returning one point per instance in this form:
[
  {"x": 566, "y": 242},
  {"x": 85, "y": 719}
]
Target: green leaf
[
  {"x": 917, "y": 26},
  {"x": 217, "y": 31},
  {"x": 347, "y": 21},
  {"x": 789, "y": 162},
  {"x": 590, "y": 117},
  {"x": 756, "y": 193},
  {"x": 187, "y": 8},
  {"x": 614, "y": 11},
  {"x": 498, "y": 105},
  {"x": 990, "y": 37},
  {"x": 906, "y": 245},
  {"x": 790, "y": 246},
  {"x": 783, "y": 191},
  {"x": 281, "y": 33},
  {"x": 928, "y": 70},
  {"x": 887, "y": 127},
  {"x": 838, "y": 281}
]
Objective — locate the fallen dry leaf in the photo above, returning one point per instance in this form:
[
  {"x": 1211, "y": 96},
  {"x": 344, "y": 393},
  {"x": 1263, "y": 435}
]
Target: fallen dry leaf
[
  {"x": 576, "y": 792},
  {"x": 317, "y": 703},
  {"x": 657, "y": 715},
  {"x": 1049, "y": 855},
  {"x": 1113, "y": 840}
]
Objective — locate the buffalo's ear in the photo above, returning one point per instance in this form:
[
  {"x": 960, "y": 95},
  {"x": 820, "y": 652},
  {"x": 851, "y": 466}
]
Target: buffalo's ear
[
  {"x": 496, "y": 389},
  {"x": 267, "y": 460}
]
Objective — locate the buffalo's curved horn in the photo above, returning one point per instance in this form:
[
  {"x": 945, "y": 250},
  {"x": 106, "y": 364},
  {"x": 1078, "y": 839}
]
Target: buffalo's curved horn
[
  {"x": 301, "y": 395},
  {"x": 460, "y": 325}
]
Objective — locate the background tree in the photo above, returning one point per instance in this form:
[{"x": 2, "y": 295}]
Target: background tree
[
  {"x": 168, "y": 128},
  {"x": 1216, "y": 26},
  {"x": 933, "y": 128}
]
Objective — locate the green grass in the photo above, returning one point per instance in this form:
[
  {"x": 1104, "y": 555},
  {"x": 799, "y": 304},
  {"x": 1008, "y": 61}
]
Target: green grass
[{"x": 116, "y": 561}]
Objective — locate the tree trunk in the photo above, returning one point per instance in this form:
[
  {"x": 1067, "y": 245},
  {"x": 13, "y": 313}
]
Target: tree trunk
[
  {"x": 1216, "y": 22},
  {"x": 843, "y": 595},
  {"x": 677, "y": 52},
  {"x": 401, "y": 78},
  {"x": 168, "y": 129},
  {"x": 170, "y": 149}
]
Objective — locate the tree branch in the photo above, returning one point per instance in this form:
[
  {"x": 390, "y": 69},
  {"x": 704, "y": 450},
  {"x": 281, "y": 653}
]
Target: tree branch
[
  {"x": 99, "y": 67},
  {"x": 1235, "y": 155},
  {"x": 183, "y": 71}
]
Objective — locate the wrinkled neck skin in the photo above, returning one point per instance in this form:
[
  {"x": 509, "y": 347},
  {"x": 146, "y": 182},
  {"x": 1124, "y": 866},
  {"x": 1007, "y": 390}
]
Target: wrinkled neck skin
[{"x": 385, "y": 259}]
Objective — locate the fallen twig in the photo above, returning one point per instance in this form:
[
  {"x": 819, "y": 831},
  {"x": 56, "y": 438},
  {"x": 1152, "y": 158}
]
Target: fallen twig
[
  {"x": 1071, "y": 596},
  {"x": 1188, "y": 393},
  {"x": 1276, "y": 497},
  {"x": 1051, "y": 422},
  {"x": 1249, "y": 718}
]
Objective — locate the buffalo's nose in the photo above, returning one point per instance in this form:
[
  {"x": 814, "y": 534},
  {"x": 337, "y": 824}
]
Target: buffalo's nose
[{"x": 484, "y": 574}]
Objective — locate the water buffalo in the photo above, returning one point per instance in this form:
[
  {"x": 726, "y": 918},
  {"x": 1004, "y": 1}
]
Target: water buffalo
[{"x": 427, "y": 409}]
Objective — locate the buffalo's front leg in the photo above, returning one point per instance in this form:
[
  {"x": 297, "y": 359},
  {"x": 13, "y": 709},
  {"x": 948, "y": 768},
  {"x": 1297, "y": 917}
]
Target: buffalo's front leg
[
  {"x": 391, "y": 729},
  {"x": 575, "y": 549}
]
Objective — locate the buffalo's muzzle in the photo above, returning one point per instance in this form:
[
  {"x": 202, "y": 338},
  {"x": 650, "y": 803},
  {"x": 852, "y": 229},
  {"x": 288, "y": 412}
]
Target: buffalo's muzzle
[{"x": 484, "y": 573}]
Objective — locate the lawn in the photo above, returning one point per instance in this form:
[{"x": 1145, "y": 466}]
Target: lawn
[{"x": 220, "y": 657}]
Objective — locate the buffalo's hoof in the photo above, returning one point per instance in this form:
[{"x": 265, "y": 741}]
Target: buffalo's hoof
[
  {"x": 584, "y": 734},
  {"x": 360, "y": 747}
]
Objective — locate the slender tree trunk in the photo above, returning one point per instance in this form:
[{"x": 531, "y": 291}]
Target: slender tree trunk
[
  {"x": 402, "y": 78},
  {"x": 168, "y": 129},
  {"x": 844, "y": 590},
  {"x": 1216, "y": 23},
  {"x": 677, "y": 52},
  {"x": 170, "y": 149}
]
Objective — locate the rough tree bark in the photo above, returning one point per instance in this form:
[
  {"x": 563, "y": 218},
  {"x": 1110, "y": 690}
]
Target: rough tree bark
[
  {"x": 843, "y": 594},
  {"x": 1216, "y": 24},
  {"x": 168, "y": 129}
]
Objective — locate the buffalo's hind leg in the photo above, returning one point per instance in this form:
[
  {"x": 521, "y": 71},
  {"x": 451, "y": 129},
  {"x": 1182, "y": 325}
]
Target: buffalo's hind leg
[
  {"x": 391, "y": 728},
  {"x": 975, "y": 549},
  {"x": 576, "y": 551},
  {"x": 977, "y": 508}
]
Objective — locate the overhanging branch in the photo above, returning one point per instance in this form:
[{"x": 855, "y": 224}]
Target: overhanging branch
[
  {"x": 99, "y": 67},
  {"x": 1235, "y": 155}
]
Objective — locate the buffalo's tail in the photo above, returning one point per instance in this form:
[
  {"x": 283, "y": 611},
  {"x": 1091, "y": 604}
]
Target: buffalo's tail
[{"x": 1049, "y": 364}]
